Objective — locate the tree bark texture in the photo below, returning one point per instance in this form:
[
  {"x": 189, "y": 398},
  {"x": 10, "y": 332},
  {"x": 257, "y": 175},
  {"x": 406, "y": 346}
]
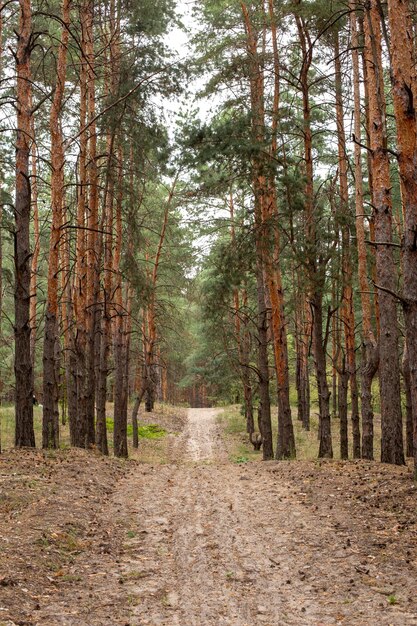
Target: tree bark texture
[
  {"x": 268, "y": 246},
  {"x": 343, "y": 381},
  {"x": 119, "y": 335},
  {"x": 389, "y": 369},
  {"x": 263, "y": 370},
  {"x": 50, "y": 422},
  {"x": 92, "y": 268},
  {"x": 404, "y": 87},
  {"x": 369, "y": 364},
  {"x": 24, "y": 431}
]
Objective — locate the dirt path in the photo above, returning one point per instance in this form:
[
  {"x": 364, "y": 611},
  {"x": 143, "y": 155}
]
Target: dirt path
[
  {"x": 201, "y": 435},
  {"x": 207, "y": 542}
]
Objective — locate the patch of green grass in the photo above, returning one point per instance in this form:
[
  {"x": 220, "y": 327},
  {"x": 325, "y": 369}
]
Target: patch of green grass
[
  {"x": 110, "y": 426},
  {"x": 151, "y": 431},
  {"x": 392, "y": 600},
  {"x": 131, "y": 534},
  {"x": 240, "y": 459},
  {"x": 147, "y": 431},
  {"x": 7, "y": 427},
  {"x": 233, "y": 420}
]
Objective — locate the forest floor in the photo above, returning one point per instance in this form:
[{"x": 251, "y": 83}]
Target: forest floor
[{"x": 197, "y": 536}]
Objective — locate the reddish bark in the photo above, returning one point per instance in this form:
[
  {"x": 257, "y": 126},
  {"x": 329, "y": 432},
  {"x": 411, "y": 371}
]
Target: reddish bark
[
  {"x": 389, "y": 371},
  {"x": 404, "y": 88},
  {"x": 268, "y": 244},
  {"x": 24, "y": 431},
  {"x": 50, "y": 423}
]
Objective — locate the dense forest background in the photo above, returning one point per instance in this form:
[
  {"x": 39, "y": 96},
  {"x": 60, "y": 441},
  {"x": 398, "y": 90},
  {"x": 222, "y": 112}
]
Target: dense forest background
[{"x": 232, "y": 223}]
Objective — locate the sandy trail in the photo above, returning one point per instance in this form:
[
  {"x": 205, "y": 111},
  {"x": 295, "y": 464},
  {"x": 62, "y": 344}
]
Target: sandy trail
[
  {"x": 213, "y": 543},
  {"x": 201, "y": 435}
]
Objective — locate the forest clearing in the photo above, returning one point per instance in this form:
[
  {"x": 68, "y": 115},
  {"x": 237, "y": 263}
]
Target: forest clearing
[{"x": 201, "y": 537}]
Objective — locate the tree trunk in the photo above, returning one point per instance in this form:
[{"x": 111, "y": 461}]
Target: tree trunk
[
  {"x": 267, "y": 229},
  {"x": 247, "y": 385},
  {"x": 120, "y": 389},
  {"x": 135, "y": 429},
  {"x": 319, "y": 354},
  {"x": 92, "y": 268},
  {"x": 404, "y": 87},
  {"x": 1, "y": 231},
  {"x": 408, "y": 405},
  {"x": 335, "y": 350},
  {"x": 389, "y": 370},
  {"x": 1, "y": 273},
  {"x": 343, "y": 409},
  {"x": 105, "y": 336},
  {"x": 105, "y": 323},
  {"x": 106, "y": 242},
  {"x": 24, "y": 431},
  {"x": 305, "y": 335},
  {"x": 50, "y": 423},
  {"x": 265, "y": 426},
  {"x": 119, "y": 343},
  {"x": 369, "y": 162},
  {"x": 369, "y": 363},
  {"x": 36, "y": 249},
  {"x": 80, "y": 282}
]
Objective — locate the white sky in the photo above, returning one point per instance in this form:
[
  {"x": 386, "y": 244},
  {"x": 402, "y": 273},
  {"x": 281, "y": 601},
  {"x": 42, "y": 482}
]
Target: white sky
[{"x": 180, "y": 42}]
